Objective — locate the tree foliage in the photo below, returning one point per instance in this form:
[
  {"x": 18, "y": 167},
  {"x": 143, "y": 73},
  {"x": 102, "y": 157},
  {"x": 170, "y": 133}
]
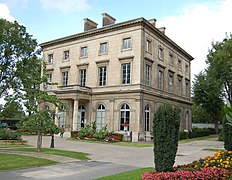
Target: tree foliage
[
  {"x": 208, "y": 96},
  {"x": 16, "y": 48},
  {"x": 219, "y": 60},
  {"x": 20, "y": 72},
  {"x": 166, "y": 135},
  {"x": 12, "y": 109}
]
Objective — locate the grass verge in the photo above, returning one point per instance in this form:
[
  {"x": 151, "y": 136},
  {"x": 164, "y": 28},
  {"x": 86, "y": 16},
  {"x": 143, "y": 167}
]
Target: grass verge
[
  {"x": 135, "y": 175},
  {"x": 71, "y": 154},
  {"x": 210, "y": 137},
  {"x": 11, "y": 161}
]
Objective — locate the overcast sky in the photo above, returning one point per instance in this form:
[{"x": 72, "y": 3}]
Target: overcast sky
[{"x": 192, "y": 24}]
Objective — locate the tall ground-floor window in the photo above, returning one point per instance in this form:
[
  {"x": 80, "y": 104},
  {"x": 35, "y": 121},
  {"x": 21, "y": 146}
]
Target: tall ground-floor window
[
  {"x": 147, "y": 118},
  {"x": 62, "y": 117},
  {"x": 124, "y": 117},
  {"x": 187, "y": 120},
  {"x": 81, "y": 117},
  {"x": 100, "y": 118}
]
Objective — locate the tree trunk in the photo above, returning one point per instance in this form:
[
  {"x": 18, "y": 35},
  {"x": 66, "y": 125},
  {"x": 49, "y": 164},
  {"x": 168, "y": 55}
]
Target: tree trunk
[
  {"x": 52, "y": 142},
  {"x": 216, "y": 126},
  {"x": 39, "y": 141}
]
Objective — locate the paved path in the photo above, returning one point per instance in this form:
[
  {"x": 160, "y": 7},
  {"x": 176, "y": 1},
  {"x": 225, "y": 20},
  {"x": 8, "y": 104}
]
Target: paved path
[{"x": 106, "y": 159}]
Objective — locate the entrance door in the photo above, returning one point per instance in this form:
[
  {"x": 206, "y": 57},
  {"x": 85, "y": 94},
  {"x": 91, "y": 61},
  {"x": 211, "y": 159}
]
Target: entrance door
[{"x": 81, "y": 117}]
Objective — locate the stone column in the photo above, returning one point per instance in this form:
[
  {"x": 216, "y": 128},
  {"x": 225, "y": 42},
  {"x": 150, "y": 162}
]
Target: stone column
[
  {"x": 75, "y": 114},
  {"x": 57, "y": 116}
]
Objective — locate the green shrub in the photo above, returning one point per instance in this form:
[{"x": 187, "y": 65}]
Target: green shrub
[
  {"x": 227, "y": 132},
  {"x": 166, "y": 135},
  {"x": 9, "y": 135},
  {"x": 183, "y": 135},
  {"x": 221, "y": 136}
]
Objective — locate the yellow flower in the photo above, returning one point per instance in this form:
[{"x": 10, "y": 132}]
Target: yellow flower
[
  {"x": 214, "y": 166},
  {"x": 195, "y": 166}
]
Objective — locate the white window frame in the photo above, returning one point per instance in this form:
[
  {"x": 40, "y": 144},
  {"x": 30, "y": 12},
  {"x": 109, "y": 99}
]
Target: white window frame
[
  {"x": 160, "y": 79},
  {"x": 84, "y": 51},
  {"x": 66, "y": 55},
  {"x": 127, "y": 43},
  {"x": 50, "y": 58},
  {"x": 103, "y": 48},
  {"x": 100, "y": 117},
  {"x": 102, "y": 75},
  {"x": 126, "y": 73},
  {"x": 82, "y": 73},
  {"x": 64, "y": 78},
  {"x": 147, "y": 74}
]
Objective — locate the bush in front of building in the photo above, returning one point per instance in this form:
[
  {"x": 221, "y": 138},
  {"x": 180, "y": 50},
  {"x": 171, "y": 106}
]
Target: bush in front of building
[
  {"x": 91, "y": 132},
  {"x": 6, "y": 134},
  {"x": 166, "y": 135}
]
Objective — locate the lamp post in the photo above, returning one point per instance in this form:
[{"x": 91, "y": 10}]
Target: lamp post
[{"x": 52, "y": 145}]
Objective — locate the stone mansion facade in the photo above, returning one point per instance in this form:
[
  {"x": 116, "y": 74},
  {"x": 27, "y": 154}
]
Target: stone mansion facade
[{"x": 117, "y": 75}]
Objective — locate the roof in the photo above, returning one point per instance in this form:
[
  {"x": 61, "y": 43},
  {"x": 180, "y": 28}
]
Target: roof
[{"x": 114, "y": 27}]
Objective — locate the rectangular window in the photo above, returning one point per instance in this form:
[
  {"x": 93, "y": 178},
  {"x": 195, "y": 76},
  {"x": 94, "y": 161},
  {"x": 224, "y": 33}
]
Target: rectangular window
[
  {"x": 49, "y": 80},
  {"x": 127, "y": 43},
  {"x": 147, "y": 74},
  {"x": 170, "y": 83},
  {"x": 179, "y": 86},
  {"x": 160, "y": 80},
  {"x": 148, "y": 45},
  {"x": 171, "y": 59},
  {"x": 126, "y": 73},
  {"x": 66, "y": 55},
  {"x": 103, "y": 48},
  {"x": 102, "y": 76},
  {"x": 82, "y": 77},
  {"x": 179, "y": 65},
  {"x": 50, "y": 58},
  {"x": 161, "y": 53},
  {"x": 186, "y": 69},
  {"x": 65, "y": 78},
  {"x": 187, "y": 89},
  {"x": 84, "y": 51}
]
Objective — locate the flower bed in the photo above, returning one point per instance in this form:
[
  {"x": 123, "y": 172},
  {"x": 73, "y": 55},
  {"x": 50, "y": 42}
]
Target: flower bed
[{"x": 218, "y": 166}]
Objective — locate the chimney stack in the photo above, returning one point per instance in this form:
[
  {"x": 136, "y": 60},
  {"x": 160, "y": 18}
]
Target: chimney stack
[
  {"x": 107, "y": 19},
  {"x": 89, "y": 24},
  {"x": 162, "y": 29},
  {"x": 152, "y": 21}
]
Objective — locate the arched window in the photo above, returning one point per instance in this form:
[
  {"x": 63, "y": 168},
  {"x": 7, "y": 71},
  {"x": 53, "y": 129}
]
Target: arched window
[
  {"x": 100, "y": 118},
  {"x": 187, "y": 120},
  {"x": 81, "y": 117},
  {"x": 124, "y": 117},
  {"x": 63, "y": 116},
  {"x": 147, "y": 118}
]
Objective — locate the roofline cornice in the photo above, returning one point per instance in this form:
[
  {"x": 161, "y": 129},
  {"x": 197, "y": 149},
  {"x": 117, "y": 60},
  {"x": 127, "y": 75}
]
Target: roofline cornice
[{"x": 122, "y": 25}]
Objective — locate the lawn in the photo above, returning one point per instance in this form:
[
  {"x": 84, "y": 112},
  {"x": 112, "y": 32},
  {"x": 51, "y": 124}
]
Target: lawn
[
  {"x": 71, "y": 154},
  {"x": 135, "y": 175},
  {"x": 11, "y": 161}
]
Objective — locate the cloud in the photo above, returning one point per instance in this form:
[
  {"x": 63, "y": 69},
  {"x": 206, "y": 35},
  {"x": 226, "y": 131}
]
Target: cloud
[
  {"x": 197, "y": 26},
  {"x": 66, "y": 6},
  {"x": 13, "y": 3},
  {"x": 5, "y": 13}
]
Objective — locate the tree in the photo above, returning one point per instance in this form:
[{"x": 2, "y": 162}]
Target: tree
[
  {"x": 16, "y": 47},
  {"x": 20, "y": 72},
  {"x": 200, "y": 115},
  {"x": 219, "y": 60},
  {"x": 166, "y": 135},
  {"x": 207, "y": 94},
  {"x": 12, "y": 109}
]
